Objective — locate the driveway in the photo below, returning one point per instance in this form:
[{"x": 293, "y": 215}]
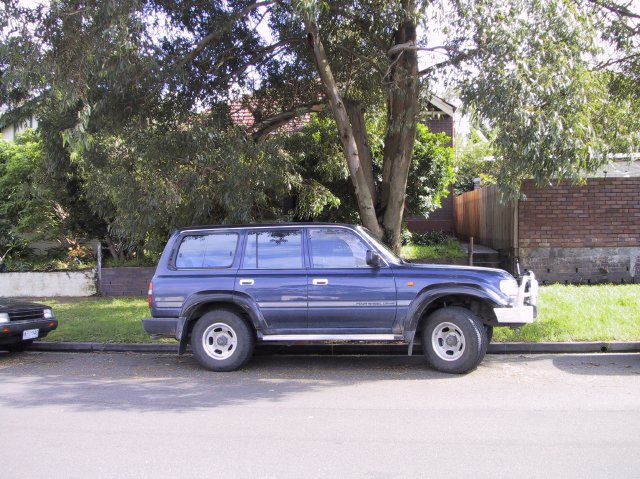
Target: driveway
[{"x": 149, "y": 415}]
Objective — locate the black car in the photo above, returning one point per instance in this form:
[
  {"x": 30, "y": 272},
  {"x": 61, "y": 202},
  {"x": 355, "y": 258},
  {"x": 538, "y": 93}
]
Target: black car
[{"x": 21, "y": 322}]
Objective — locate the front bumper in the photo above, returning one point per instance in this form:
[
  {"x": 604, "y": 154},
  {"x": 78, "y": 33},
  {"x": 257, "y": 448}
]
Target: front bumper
[
  {"x": 11, "y": 332},
  {"x": 524, "y": 308}
]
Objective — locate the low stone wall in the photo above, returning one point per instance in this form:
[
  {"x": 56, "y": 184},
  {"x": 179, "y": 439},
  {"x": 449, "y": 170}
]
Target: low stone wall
[
  {"x": 56, "y": 284},
  {"x": 583, "y": 265},
  {"x": 132, "y": 281}
]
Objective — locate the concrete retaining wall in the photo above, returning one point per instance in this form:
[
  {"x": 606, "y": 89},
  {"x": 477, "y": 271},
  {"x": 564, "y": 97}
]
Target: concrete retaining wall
[
  {"x": 583, "y": 265},
  {"x": 57, "y": 284}
]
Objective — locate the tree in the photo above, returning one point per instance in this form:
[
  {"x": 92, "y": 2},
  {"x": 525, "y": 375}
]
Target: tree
[
  {"x": 40, "y": 204},
  {"x": 327, "y": 193},
  {"x": 532, "y": 71}
]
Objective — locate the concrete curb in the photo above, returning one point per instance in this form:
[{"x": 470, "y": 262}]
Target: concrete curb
[{"x": 346, "y": 349}]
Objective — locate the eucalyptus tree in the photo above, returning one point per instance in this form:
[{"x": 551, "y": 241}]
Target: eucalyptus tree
[{"x": 553, "y": 78}]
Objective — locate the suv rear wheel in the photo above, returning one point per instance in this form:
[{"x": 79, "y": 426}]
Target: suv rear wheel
[
  {"x": 222, "y": 341},
  {"x": 454, "y": 340}
]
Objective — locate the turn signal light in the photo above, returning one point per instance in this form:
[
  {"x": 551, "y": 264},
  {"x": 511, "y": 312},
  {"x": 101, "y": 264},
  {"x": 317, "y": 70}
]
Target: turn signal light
[
  {"x": 52, "y": 324},
  {"x": 409, "y": 283},
  {"x": 5, "y": 330}
]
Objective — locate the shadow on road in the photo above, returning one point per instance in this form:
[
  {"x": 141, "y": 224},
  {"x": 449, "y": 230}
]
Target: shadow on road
[
  {"x": 599, "y": 364},
  {"x": 160, "y": 382}
]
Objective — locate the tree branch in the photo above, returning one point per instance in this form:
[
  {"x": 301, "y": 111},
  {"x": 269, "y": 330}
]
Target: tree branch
[
  {"x": 262, "y": 129},
  {"x": 620, "y": 10},
  {"x": 224, "y": 28},
  {"x": 452, "y": 61}
]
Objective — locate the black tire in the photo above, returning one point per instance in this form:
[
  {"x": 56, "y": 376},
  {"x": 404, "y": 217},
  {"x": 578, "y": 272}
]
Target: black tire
[
  {"x": 454, "y": 340},
  {"x": 222, "y": 341},
  {"x": 18, "y": 347}
]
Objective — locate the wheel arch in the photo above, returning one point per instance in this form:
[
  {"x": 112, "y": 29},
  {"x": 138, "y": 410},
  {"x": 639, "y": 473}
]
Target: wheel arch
[
  {"x": 201, "y": 303},
  {"x": 472, "y": 297}
]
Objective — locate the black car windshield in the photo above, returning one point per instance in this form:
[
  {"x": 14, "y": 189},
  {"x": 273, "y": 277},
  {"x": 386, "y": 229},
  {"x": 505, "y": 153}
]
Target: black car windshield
[{"x": 382, "y": 248}]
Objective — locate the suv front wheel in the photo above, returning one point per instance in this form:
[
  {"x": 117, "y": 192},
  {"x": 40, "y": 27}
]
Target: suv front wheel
[
  {"x": 454, "y": 340},
  {"x": 222, "y": 341}
]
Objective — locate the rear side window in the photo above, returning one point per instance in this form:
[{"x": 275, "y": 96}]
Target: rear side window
[
  {"x": 274, "y": 250},
  {"x": 207, "y": 251}
]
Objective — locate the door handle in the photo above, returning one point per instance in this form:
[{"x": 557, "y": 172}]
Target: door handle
[
  {"x": 246, "y": 282},
  {"x": 320, "y": 282}
]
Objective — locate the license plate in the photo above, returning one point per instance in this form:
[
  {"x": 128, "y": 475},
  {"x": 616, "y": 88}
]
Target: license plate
[{"x": 30, "y": 333}]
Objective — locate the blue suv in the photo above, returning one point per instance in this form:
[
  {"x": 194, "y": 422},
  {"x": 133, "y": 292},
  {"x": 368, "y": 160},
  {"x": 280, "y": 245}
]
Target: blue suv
[{"x": 225, "y": 287}]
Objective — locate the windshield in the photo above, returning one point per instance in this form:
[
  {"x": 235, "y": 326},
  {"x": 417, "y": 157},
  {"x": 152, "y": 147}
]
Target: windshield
[{"x": 383, "y": 248}]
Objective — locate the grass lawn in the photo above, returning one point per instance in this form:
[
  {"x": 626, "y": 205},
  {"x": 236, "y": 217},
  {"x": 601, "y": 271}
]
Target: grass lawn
[
  {"x": 102, "y": 320},
  {"x": 449, "y": 249},
  {"x": 566, "y": 313},
  {"x": 582, "y": 313}
]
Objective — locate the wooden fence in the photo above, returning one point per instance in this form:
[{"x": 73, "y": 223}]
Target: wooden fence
[{"x": 480, "y": 214}]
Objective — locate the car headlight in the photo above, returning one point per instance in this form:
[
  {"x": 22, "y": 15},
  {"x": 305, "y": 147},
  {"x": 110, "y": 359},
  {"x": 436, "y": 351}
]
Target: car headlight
[
  {"x": 48, "y": 314},
  {"x": 509, "y": 287},
  {"x": 4, "y": 317}
]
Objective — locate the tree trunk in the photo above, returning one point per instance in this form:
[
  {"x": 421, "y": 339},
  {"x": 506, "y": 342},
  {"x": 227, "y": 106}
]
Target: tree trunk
[
  {"x": 356, "y": 116},
  {"x": 361, "y": 183},
  {"x": 402, "y": 115}
]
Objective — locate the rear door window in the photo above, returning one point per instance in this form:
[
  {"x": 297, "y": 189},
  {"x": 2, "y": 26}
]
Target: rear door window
[
  {"x": 215, "y": 250},
  {"x": 281, "y": 249}
]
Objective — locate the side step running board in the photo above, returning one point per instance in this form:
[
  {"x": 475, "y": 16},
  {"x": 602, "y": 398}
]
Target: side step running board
[{"x": 331, "y": 337}]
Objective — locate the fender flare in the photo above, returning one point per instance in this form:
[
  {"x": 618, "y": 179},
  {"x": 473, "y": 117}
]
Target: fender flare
[
  {"x": 196, "y": 300},
  {"x": 428, "y": 296}
]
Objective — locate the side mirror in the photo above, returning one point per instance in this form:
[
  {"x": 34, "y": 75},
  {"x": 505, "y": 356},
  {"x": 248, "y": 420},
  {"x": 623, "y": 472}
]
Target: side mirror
[{"x": 373, "y": 258}]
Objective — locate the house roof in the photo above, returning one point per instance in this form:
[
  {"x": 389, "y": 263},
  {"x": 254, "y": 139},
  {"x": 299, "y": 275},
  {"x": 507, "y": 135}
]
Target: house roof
[{"x": 440, "y": 107}]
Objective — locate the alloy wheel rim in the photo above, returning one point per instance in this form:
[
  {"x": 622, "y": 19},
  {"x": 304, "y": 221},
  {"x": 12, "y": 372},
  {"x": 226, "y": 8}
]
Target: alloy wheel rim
[
  {"x": 219, "y": 341},
  {"x": 448, "y": 341}
]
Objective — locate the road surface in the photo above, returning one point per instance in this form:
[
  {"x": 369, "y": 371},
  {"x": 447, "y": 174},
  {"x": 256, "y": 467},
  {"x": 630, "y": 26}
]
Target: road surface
[{"x": 148, "y": 415}]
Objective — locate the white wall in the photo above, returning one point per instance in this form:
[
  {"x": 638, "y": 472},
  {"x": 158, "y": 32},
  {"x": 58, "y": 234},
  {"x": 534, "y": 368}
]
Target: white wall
[
  {"x": 9, "y": 132},
  {"x": 58, "y": 284}
]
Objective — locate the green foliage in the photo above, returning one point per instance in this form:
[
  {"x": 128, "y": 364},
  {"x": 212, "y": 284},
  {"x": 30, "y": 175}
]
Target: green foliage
[
  {"x": 39, "y": 202},
  {"x": 317, "y": 149},
  {"x": 474, "y": 159},
  {"x": 431, "y": 171},
  {"x": 430, "y": 238},
  {"x": 131, "y": 99},
  {"x": 447, "y": 249},
  {"x": 536, "y": 86}
]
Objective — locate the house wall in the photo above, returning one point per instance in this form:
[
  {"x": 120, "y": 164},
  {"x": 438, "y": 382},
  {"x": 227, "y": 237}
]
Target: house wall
[{"x": 581, "y": 234}]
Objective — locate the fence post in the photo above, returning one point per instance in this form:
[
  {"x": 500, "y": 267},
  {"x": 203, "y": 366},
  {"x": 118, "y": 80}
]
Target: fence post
[
  {"x": 99, "y": 266},
  {"x": 470, "y": 255}
]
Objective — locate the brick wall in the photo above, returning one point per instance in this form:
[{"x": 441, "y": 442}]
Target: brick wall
[
  {"x": 125, "y": 281},
  {"x": 582, "y": 234},
  {"x": 603, "y": 213},
  {"x": 442, "y": 124}
]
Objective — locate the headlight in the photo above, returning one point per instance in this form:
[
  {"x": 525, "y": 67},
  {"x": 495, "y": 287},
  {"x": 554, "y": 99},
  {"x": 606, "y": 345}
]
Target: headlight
[
  {"x": 48, "y": 314},
  {"x": 4, "y": 317},
  {"x": 509, "y": 287}
]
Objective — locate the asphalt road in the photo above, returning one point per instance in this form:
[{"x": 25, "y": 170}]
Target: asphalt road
[{"x": 135, "y": 415}]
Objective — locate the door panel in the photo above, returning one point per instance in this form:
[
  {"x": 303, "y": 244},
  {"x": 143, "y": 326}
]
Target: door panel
[
  {"x": 273, "y": 274},
  {"x": 344, "y": 292}
]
